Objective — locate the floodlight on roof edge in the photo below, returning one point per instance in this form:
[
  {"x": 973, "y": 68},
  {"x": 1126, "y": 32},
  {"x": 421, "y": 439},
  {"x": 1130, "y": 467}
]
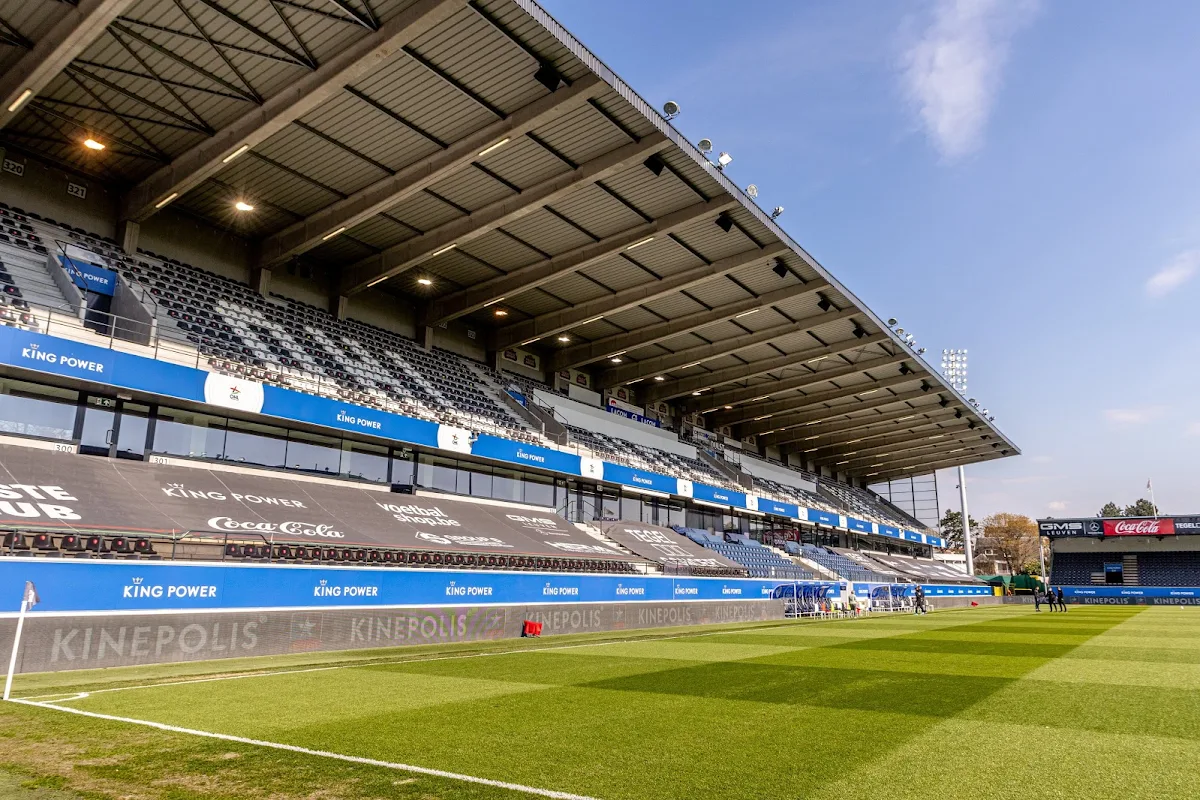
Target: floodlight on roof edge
[{"x": 671, "y": 110}]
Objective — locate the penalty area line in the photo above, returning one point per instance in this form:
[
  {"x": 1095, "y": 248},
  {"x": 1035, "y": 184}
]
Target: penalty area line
[{"x": 291, "y": 748}]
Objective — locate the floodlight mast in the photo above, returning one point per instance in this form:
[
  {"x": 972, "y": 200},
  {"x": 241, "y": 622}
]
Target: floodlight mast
[{"x": 954, "y": 367}]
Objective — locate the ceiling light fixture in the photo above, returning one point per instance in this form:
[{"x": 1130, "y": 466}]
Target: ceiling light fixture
[
  {"x": 696, "y": 393},
  {"x": 564, "y": 338},
  {"x": 659, "y": 378},
  {"x": 332, "y": 234},
  {"x": 493, "y": 302},
  {"x": 615, "y": 359},
  {"x": 530, "y": 341},
  {"x": 647, "y": 240},
  {"x": 235, "y": 154},
  {"x": 424, "y": 281},
  {"x": 25, "y": 95},
  {"x": 867, "y": 392},
  {"x": 242, "y": 205},
  {"x": 593, "y": 319},
  {"x": 378, "y": 280},
  {"x": 445, "y": 249},
  {"x": 635, "y": 380},
  {"x": 166, "y": 199},
  {"x": 500, "y": 312},
  {"x": 495, "y": 146},
  {"x": 92, "y": 144},
  {"x": 748, "y": 313}
]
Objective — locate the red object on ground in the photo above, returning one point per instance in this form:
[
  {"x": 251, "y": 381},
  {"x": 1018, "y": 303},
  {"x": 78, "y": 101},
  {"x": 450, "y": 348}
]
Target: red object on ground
[
  {"x": 973, "y": 604},
  {"x": 531, "y": 628}
]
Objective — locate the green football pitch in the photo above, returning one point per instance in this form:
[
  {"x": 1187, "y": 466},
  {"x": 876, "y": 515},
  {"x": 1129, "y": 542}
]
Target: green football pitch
[{"x": 988, "y": 702}]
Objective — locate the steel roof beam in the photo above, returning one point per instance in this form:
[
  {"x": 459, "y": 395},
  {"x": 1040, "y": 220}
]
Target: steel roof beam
[
  {"x": 531, "y": 276},
  {"x": 796, "y": 415},
  {"x": 802, "y": 429},
  {"x": 558, "y": 321},
  {"x": 849, "y": 431},
  {"x": 661, "y": 331},
  {"x": 396, "y": 188},
  {"x": 689, "y": 356},
  {"x": 918, "y": 462},
  {"x": 302, "y": 96},
  {"x": 783, "y": 404},
  {"x": 902, "y": 442},
  {"x": 410, "y": 253},
  {"x": 685, "y": 386},
  {"x": 884, "y": 474},
  {"x": 78, "y": 26}
]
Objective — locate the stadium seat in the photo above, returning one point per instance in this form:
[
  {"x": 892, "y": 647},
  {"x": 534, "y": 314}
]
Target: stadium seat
[
  {"x": 44, "y": 543},
  {"x": 71, "y": 544},
  {"x": 96, "y": 544},
  {"x": 119, "y": 545},
  {"x": 15, "y": 541},
  {"x": 144, "y": 547}
]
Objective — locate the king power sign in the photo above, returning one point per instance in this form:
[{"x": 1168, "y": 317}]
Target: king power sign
[{"x": 1120, "y": 526}]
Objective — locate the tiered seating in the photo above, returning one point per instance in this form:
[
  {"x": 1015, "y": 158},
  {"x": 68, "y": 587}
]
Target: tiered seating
[
  {"x": 23, "y": 275},
  {"x": 1078, "y": 569},
  {"x": 844, "y": 566},
  {"x": 760, "y": 561},
  {"x": 921, "y": 569},
  {"x": 792, "y": 494},
  {"x": 864, "y": 504},
  {"x": 142, "y": 547},
  {"x": 1168, "y": 569},
  {"x": 638, "y": 456}
]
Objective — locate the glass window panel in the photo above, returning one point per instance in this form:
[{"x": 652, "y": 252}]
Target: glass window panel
[
  {"x": 181, "y": 433},
  {"x": 248, "y": 443},
  {"x": 131, "y": 442},
  {"x": 506, "y": 485},
  {"x": 539, "y": 491},
  {"x": 366, "y": 462},
  {"x": 30, "y": 410},
  {"x": 313, "y": 453}
]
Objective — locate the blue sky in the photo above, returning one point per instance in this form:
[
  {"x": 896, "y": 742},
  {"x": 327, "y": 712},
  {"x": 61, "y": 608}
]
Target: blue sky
[{"x": 1019, "y": 178}]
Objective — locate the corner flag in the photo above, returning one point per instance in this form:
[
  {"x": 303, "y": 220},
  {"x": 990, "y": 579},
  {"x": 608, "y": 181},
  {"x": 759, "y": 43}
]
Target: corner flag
[{"x": 28, "y": 600}]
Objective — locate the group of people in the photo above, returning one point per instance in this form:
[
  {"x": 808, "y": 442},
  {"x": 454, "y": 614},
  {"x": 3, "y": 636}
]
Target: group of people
[{"x": 1050, "y": 598}]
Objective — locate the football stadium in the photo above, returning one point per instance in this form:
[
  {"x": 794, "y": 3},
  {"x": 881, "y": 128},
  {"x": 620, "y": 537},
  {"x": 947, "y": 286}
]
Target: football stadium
[{"x": 393, "y": 403}]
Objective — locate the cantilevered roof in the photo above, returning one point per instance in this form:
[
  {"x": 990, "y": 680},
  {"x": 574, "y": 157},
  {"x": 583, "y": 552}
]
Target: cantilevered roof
[{"x": 480, "y": 147}]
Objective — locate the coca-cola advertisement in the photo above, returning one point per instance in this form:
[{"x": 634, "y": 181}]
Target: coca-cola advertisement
[{"x": 1161, "y": 526}]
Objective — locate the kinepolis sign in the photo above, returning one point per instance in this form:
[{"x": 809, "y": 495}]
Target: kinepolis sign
[
  {"x": 58, "y": 491},
  {"x": 1119, "y": 526}
]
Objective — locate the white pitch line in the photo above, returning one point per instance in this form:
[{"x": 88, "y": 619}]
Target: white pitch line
[{"x": 515, "y": 787}]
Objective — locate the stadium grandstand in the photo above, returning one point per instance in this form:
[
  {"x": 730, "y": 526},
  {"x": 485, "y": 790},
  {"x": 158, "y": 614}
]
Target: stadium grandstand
[
  {"x": 1123, "y": 560},
  {"x": 421, "y": 293}
]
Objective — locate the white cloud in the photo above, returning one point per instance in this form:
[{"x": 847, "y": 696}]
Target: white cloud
[
  {"x": 1176, "y": 273},
  {"x": 1132, "y": 416},
  {"x": 1058, "y": 505},
  {"x": 953, "y": 71},
  {"x": 1193, "y": 429}
]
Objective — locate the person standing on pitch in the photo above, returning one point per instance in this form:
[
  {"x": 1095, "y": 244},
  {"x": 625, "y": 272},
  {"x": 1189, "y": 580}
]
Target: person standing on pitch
[
  {"x": 1037, "y": 600},
  {"x": 1062, "y": 601},
  {"x": 919, "y": 598}
]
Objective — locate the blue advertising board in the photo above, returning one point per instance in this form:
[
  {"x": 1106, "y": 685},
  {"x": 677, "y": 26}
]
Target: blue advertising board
[
  {"x": 487, "y": 446},
  {"x": 824, "y": 517},
  {"x": 75, "y": 586},
  {"x": 633, "y": 415},
  {"x": 861, "y": 526},
  {"x": 641, "y": 479},
  {"x": 90, "y": 277},
  {"x": 789, "y": 510},
  {"x": 931, "y": 589},
  {"x": 712, "y": 494}
]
